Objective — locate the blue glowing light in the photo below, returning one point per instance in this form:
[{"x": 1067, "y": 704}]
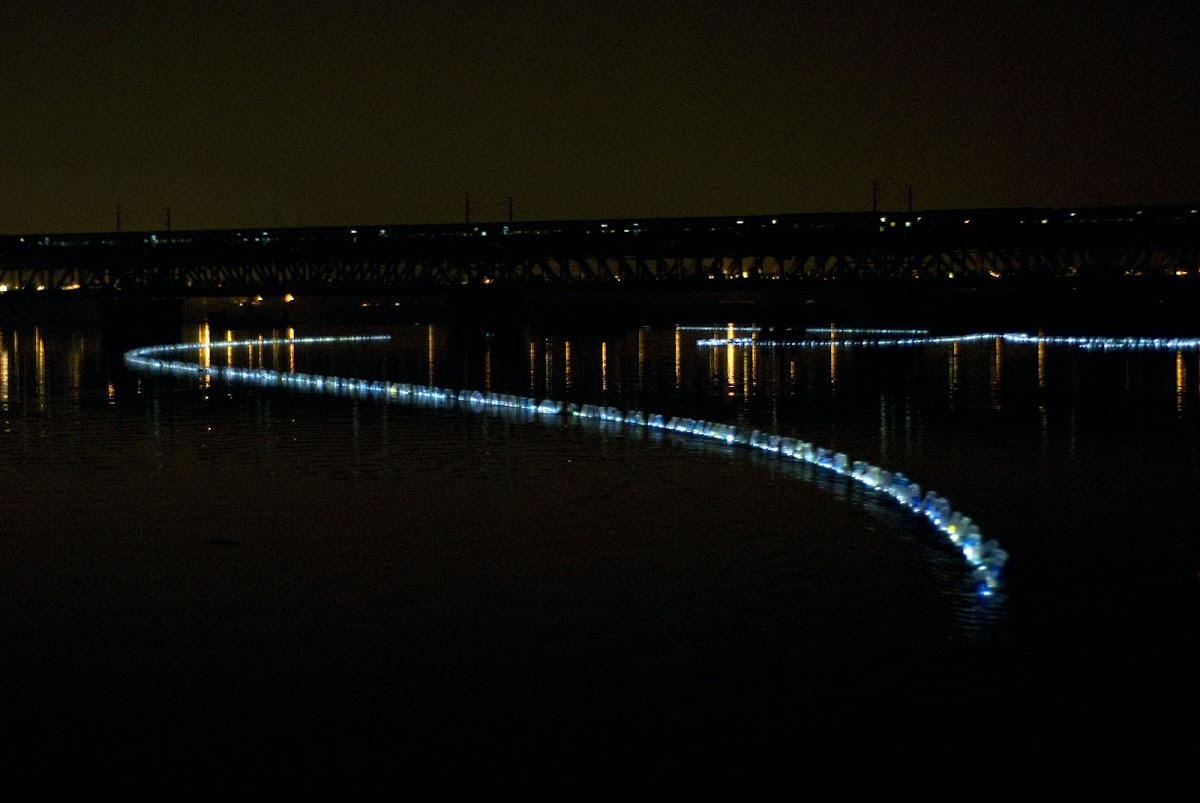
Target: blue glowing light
[
  {"x": 842, "y": 330},
  {"x": 723, "y": 327},
  {"x": 898, "y": 338},
  {"x": 986, "y": 558}
]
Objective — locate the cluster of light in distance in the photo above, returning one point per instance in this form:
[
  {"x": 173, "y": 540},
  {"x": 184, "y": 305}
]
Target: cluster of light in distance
[
  {"x": 1085, "y": 343},
  {"x": 986, "y": 558},
  {"x": 1109, "y": 343},
  {"x": 841, "y": 341},
  {"x": 843, "y": 330},
  {"x": 719, "y": 326}
]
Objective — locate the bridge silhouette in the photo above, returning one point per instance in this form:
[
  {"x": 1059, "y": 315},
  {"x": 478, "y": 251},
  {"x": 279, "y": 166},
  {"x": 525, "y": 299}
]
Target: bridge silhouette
[{"x": 958, "y": 246}]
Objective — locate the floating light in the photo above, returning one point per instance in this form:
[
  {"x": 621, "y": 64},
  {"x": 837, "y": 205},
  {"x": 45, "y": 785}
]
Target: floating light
[
  {"x": 837, "y": 340},
  {"x": 985, "y": 558}
]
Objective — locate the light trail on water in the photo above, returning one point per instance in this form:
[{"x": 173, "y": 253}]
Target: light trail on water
[{"x": 985, "y": 558}]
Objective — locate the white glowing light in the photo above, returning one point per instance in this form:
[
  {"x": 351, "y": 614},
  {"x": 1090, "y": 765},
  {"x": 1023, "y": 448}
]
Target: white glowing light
[
  {"x": 851, "y": 330},
  {"x": 913, "y": 341},
  {"x": 985, "y": 558},
  {"x": 842, "y": 342}
]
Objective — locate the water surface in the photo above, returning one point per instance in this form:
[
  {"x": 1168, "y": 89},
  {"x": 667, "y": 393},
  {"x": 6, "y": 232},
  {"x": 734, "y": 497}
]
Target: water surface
[{"x": 294, "y": 585}]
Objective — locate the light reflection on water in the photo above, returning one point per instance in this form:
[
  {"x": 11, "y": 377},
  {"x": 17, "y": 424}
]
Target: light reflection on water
[
  {"x": 742, "y": 392},
  {"x": 1081, "y": 464}
]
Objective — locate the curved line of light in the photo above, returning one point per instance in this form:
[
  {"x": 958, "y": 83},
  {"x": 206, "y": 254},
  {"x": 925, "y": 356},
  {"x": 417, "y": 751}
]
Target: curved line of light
[
  {"x": 986, "y": 558},
  {"x": 1084, "y": 343}
]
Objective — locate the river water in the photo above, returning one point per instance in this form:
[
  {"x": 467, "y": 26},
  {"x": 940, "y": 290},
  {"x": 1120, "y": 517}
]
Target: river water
[{"x": 215, "y": 581}]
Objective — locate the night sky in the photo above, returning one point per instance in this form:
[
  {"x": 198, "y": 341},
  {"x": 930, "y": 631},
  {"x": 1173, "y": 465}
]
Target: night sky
[{"x": 292, "y": 114}]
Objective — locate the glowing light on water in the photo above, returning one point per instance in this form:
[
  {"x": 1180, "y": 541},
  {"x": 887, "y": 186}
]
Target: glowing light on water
[
  {"x": 997, "y": 374},
  {"x": 717, "y": 327},
  {"x": 1041, "y": 364},
  {"x": 836, "y": 339},
  {"x": 678, "y": 373},
  {"x": 851, "y": 330},
  {"x": 841, "y": 342},
  {"x": 731, "y": 370},
  {"x": 532, "y": 366},
  {"x": 985, "y": 557},
  {"x": 833, "y": 365},
  {"x": 487, "y": 366},
  {"x": 1180, "y": 381},
  {"x": 604, "y": 366},
  {"x": 431, "y": 354},
  {"x": 1111, "y": 343}
]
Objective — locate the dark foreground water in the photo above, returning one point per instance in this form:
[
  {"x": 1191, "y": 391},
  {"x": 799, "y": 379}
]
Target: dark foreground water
[{"x": 210, "y": 584}]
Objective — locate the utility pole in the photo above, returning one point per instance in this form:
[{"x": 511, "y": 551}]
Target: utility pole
[
  {"x": 510, "y": 209},
  {"x": 118, "y": 218},
  {"x": 467, "y": 209},
  {"x": 874, "y": 196},
  {"x": 168, "y": 218},
  {"x": 909, "y": 186}
]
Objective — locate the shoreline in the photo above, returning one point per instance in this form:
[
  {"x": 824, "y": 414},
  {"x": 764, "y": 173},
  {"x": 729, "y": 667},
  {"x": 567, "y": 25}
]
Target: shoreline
[{"x": 1157, "y": 307}]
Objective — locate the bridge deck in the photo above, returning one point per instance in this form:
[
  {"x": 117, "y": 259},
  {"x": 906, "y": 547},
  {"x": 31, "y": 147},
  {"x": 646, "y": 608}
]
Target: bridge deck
[{"x": 979, "y": 244}]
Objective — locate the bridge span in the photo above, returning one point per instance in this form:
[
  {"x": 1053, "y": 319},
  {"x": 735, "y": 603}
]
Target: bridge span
[{"x": 961, "y": 246}]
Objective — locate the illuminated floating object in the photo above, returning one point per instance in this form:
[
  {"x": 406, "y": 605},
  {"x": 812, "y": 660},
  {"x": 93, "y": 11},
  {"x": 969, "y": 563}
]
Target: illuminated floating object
[
  {"x": 840, "y": 342},
  {"x": 1084, "y": 343},
  {"x": 840, "y": 330},
  {"x": 985, "y": 558},
  {"x": 1109, "y": 343},
  {"x": 719, "y": 327}
]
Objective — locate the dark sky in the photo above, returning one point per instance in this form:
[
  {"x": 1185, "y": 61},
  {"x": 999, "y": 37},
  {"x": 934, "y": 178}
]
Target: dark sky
[{"x": 293, "y": 113}]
